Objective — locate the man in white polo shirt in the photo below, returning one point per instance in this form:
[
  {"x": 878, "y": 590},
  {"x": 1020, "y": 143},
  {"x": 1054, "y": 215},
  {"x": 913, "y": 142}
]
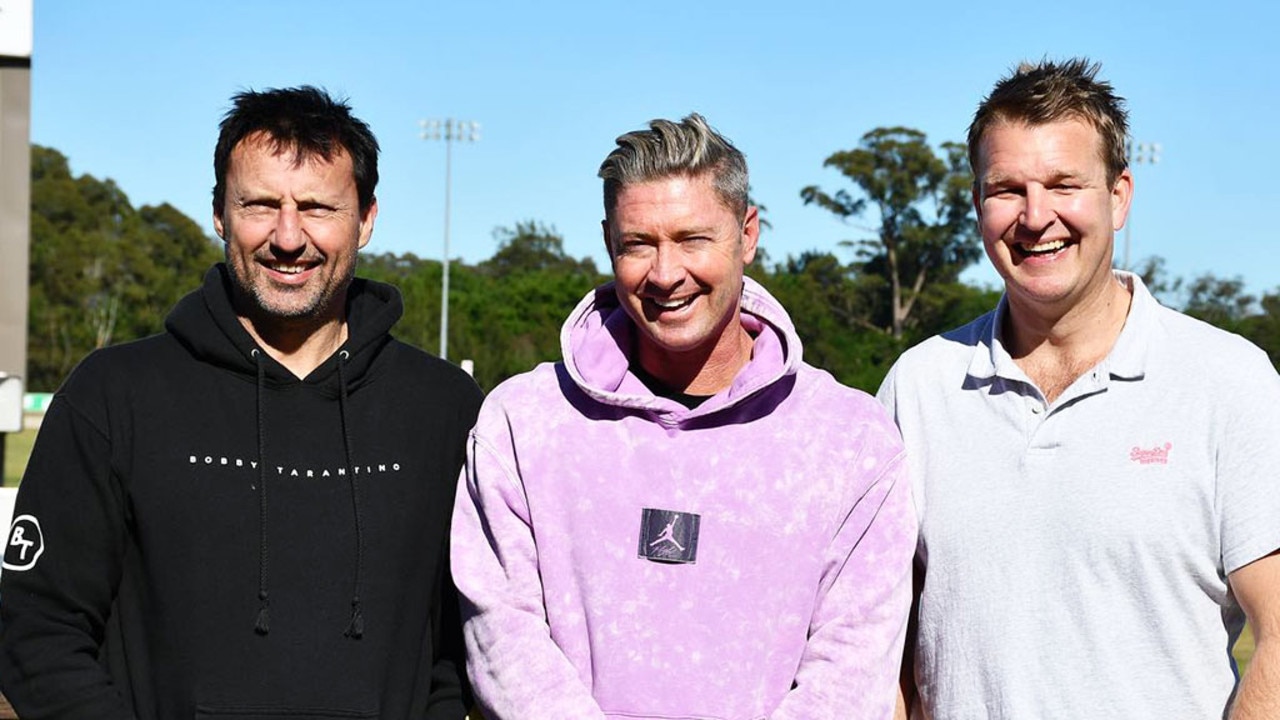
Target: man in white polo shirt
[{"x": 1097, "y": 476}]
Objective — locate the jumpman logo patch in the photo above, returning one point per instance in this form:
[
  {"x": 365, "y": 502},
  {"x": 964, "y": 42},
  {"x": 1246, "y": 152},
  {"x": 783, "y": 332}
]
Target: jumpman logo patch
[{"x": 669, "y": 536}]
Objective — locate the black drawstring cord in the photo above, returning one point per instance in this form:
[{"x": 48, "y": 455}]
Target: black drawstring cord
[
  {"x": 262, "y": 625},
  {"x": 355, "y": 628}
]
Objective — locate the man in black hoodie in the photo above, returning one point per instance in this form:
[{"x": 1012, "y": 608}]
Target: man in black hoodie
[{"x": 245, "y": 517}]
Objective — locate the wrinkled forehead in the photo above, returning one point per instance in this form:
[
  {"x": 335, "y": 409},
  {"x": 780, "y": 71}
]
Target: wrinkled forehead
[
  {"x": 1082, "y": 134},
  {"x": 704, "y": 181}
]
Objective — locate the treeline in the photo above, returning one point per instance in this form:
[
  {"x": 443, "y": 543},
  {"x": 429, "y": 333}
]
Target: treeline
[{"x": 103, "y": 272}]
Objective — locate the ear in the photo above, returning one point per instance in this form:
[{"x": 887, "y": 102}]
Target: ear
[
  {"x": 750, "y": 234},
  {"x": 1121, "y": 198},
  {"x": 976, "y": 195},
  {"x": 366, "y": 223},
  {"x": 217, "y": 224}
]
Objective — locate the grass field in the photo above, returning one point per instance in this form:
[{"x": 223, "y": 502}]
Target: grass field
[
  {"x": 18, "y": 448},
  {"x": 1244, "y": 649}
]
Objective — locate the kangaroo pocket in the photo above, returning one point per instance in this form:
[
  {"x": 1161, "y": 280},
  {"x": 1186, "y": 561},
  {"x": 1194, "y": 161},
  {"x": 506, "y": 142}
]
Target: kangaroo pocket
[{"x": 215, "y": 712}]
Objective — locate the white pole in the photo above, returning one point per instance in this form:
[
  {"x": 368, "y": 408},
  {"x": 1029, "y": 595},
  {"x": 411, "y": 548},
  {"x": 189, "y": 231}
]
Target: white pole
[{"x": 460, "y": 130}]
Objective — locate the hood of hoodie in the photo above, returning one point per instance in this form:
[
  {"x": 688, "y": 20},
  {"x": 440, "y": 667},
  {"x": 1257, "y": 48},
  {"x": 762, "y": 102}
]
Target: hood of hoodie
[
  {"x": 205, "y": 322},
  {"x": 598, "y": 338}
]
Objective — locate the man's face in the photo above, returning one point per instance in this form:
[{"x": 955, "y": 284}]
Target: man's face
[
  {"x": 678, "y": 255},
  {"x": 1047, "y": 214},
  {"x": 291, "y": 231}
]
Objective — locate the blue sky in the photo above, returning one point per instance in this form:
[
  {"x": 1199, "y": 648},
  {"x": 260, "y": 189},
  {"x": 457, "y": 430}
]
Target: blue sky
[{"x": 133, "y": 91}]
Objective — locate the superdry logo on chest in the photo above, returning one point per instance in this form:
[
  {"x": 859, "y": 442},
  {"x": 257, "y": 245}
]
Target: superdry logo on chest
[
  {"x": 1158, "y": 455},
  {"x": 231, "y": 462},
  {"x": 669, "y": 536}
]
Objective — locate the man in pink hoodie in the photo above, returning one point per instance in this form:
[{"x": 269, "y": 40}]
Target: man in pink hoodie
[{"x": 682, "y": 519}]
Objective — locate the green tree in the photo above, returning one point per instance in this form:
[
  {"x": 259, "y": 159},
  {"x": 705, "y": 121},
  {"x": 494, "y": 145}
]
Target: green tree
[
  {"x": 926, "y": 232},
  {"x": 101, "y": 271},
  {"x": 532, "y": 246},
  {"x": 1263, "y": 329},
  {"x": 1220, "y": 302},
  {"x": 505, "y": 312}
]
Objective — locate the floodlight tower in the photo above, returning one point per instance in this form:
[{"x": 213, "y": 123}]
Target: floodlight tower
[
  {"x": 1139, "y": 154},
  {"x": 450, "y": 131}
]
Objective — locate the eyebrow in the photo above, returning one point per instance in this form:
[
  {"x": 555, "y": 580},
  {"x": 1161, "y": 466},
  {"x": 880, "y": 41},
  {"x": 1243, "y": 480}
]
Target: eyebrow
[{"x": 1005, "y": 179}]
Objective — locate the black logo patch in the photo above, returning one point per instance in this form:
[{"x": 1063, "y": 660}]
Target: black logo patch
[
  {"x": 25, "y": 543},
  {"x": 669, "y": 536}
]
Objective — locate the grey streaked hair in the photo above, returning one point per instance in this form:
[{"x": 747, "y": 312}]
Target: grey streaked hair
[{"x": 690, "y": 147}]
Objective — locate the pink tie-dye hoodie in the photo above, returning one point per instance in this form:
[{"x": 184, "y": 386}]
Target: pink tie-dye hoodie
[{"x": 585, "y": 496}]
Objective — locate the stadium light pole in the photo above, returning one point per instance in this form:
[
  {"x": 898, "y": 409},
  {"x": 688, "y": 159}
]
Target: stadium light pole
[
  {"x": 1139, "y": 154},
  {"x": 450, "y": 131}
]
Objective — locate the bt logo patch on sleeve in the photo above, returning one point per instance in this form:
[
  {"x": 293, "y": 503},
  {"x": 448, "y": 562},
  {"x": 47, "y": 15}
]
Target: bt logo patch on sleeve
[
  {"x": 669, "y": 536},
  {"x": 25, "y": 544}
]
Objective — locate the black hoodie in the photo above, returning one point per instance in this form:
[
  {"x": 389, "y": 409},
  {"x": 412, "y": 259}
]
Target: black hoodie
[{"x": 199, "y": 534}]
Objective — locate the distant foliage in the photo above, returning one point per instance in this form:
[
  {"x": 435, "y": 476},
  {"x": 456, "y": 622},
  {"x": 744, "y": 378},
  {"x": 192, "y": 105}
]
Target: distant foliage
[
  {"x": 101, "y": 271},
  {"x": 1221, "y": 302},
  {"x": 920, "y": 203},
  {"x": 504, "y": 313}
]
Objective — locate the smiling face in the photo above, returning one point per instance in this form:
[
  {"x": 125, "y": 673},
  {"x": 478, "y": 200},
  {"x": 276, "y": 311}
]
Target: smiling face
[
  {"x": 1047, "y": 213},
  {"x": 292, "y": 231},
  {"x": 678, "y": 256}
]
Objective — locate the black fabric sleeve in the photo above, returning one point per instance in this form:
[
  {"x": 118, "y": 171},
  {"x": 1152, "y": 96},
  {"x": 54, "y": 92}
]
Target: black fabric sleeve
[
  {"x": 54, "y": 607},
  {"x": 450, "y": 691},
  {"x": 451, "y": 697}
]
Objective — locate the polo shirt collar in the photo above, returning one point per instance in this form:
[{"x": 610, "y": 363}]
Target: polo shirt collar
[
  {"x": 1128, "y": 358},
  {"x": 1126, "y": 361}
]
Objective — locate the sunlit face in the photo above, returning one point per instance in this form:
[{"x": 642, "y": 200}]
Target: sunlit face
[
  {"x": 678, "y": 256},
  {"x": 1047, "y": 214},
  {"x": 291, "y": 231}
]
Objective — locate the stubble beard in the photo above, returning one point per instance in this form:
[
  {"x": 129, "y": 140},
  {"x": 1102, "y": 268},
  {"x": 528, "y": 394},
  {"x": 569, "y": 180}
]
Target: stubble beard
[{"x": 293, "y": 308}]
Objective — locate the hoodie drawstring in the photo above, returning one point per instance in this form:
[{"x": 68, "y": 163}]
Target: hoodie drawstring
[
  {"x": 262, "y": 625},
  {"x": 355, "y": 628}
]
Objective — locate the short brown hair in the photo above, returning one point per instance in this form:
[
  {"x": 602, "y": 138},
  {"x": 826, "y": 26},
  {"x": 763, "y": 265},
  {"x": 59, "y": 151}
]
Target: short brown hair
[{"x": 1046, "y": 92}]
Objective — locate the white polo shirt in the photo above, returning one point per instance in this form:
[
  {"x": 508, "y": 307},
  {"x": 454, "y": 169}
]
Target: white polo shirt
[{"x": 1076, "y": 553}]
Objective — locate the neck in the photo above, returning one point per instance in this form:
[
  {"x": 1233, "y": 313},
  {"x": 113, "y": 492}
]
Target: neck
[
  {"x": 1055, "y": 348},
  {"x": 300, "y": 346},
  {"x": 702, "y": 371}
]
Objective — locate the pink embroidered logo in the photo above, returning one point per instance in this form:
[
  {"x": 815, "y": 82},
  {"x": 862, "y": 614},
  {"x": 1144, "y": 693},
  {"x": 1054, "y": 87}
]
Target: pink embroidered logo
[{"x": 1159, "y": 454}]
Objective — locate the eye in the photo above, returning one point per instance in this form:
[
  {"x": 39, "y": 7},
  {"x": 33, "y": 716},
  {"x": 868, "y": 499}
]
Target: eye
[
  {"x": 1003, "y": 193},
  {"x": 257, "y": 207},
  {"x": 316, "y": 210},
  {"x": 633, "y": 246}
]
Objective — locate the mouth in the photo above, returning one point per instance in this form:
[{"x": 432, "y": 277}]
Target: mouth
[
  {"x": 672, "y": 304},
  {"x": 288, "y": 268},
  {"x": 1040, "y": 249},
  {"x": 656, "y": 307}
]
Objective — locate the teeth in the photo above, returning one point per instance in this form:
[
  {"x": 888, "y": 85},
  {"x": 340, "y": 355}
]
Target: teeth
[
  {"x": 1044, "y": 247},
  {"x": 672, "y": 304},
  {"x": 289, "y": 269}
]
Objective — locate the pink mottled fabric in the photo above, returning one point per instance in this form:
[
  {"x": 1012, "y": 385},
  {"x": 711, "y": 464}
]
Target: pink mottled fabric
[{"x": 797, "y": 603}]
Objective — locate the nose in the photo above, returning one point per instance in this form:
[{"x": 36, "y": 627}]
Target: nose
[
  {"x": 666, "y": 271},
  {"x": 1037, "y": 210},
  {"x": 288, "y": 236}
]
